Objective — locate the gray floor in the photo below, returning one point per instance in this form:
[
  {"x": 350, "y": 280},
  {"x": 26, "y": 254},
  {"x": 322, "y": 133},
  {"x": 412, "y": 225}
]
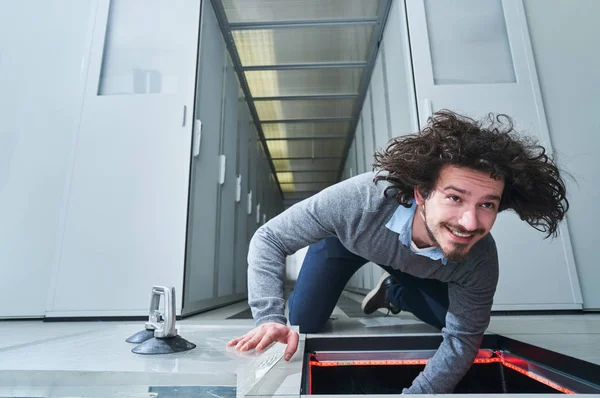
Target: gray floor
[{"x": 92, "y": 358}]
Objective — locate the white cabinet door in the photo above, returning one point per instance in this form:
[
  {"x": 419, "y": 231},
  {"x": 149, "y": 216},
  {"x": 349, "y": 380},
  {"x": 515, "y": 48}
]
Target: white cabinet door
[
  {"x": 241, "y": 214},
  {"x": 200, "y": 271},
  {"x": 475, "y": 57},
  {"x": 42, "y": 45},
  {"x": 227, "y": 195},
  {"x": 125, "y": 223}
]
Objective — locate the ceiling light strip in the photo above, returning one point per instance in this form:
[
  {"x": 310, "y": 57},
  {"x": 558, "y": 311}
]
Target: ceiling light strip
[
  {"x": 324, "y": 65},
  {"x": 322, "y": 137},
  {"x": 307, "y": 171},
  {"x": 309, "y": 157},
  {"x": 308, "y": 97},
  {"x": 301, "y": 193},
  {"x": 307, "y": 23},
  {"x": 237, "y": 64},
  {"x": 317, "y": 120},
  {"x": 308, "y": 182}
]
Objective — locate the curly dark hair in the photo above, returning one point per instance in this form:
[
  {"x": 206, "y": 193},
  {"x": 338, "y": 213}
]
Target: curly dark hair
[{"x": 533, "y": 186}]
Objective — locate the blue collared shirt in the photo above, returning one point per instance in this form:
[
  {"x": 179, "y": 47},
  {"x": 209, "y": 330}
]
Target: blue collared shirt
[{"x": 401, "y": 223}]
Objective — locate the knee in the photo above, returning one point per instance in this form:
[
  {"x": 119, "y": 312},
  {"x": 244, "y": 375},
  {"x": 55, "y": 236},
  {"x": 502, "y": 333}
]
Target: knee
[
  {"x": 306, "y": 324},
  {"x": 308, "y": 321}
]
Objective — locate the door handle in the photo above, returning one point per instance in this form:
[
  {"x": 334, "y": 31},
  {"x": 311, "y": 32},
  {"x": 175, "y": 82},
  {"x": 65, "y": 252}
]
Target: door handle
[
  {"x": 222, "y": 167},
  {"x": 238, "y": 189},
  {"x": 197, "y": 138},
  {"x": 249, "y": 203}
]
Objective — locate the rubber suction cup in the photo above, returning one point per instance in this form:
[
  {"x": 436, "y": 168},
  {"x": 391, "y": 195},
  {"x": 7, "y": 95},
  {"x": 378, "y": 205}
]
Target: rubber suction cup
[
  {"x": 141, "y": 337},
  {"x": 168, "y": 345}
]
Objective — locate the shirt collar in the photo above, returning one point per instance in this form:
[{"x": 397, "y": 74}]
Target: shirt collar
[{"x": 401, "y": 223}]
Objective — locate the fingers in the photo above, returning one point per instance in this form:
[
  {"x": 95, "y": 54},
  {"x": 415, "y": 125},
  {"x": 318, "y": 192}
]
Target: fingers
[
  {"x": 264, "y": 335},
  {"x": 292, "y": 345},
  {"x": 240, "y": 341},
  {"x": 233, "y": 342},
  {"x": 266, "y": 341},
  {"x": 249, "y": 342}
]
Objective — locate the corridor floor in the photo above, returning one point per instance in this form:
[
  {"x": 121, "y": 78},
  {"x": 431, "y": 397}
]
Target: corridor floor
[{"x": 92, "y": 359}]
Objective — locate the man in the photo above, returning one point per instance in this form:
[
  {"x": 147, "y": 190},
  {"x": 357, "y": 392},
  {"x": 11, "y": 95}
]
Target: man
[{"x": 425, "y": 218}]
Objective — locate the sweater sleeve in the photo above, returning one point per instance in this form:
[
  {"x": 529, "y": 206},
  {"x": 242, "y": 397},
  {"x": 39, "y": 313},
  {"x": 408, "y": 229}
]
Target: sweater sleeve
[
  {"x": 324, "y": 214},
  {"x": 467, "y": 319}
]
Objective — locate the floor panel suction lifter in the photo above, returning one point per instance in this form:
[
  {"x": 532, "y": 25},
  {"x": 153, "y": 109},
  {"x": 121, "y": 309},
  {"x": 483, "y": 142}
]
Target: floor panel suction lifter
[{"x": 160, "y": 335}]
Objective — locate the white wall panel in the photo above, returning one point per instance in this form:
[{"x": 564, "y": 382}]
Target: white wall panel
[
  {"x": 568, "y": 66},
  {"x": 380, "y": 103},
  {"x": 399, "y": 78},
  {"x": 360, "y": 147},
  {"x": 367, "y": 125}
]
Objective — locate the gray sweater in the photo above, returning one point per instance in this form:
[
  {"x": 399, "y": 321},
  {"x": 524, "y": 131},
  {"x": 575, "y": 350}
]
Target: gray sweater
[{"x": 356, "y": 211}]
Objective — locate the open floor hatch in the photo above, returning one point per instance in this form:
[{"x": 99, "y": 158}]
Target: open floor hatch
[{"x": 387, "y": 364}]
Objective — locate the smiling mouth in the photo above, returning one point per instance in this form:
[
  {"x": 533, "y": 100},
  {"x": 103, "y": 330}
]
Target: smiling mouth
[{"x": 461, "y": 236}]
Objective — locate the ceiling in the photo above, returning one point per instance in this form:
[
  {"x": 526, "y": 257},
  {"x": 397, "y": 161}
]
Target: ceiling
[{"x": 304, "y": 67}]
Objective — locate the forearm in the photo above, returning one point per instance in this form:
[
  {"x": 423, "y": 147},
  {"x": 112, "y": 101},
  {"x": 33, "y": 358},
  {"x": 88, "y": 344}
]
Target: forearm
[
  {"x": 266, "y": 277},
  {"x": 448, "y": 366},
  {"x": 299, "y": 226},
  {"x": 466, "y": 321}
]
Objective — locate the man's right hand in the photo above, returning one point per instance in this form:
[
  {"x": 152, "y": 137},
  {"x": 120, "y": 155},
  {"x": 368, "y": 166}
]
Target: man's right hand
[{"x": 263, "y": 335}]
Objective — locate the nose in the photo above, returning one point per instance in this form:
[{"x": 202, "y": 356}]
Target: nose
[{"x": 468, "y": 220}]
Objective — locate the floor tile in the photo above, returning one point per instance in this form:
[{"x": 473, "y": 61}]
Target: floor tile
[{"x": 582, "y": 346}]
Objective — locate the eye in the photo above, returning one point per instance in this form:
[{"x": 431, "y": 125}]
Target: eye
[
  {"x": 454, "y": 198},
  {"x": 489, "y": 205}
]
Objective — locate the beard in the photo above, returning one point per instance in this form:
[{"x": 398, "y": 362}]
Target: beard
[{"x": 459, "y": 251}]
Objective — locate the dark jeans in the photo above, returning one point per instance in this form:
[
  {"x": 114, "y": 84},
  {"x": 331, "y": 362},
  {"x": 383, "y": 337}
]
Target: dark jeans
[{"x": 327, "y": 268}]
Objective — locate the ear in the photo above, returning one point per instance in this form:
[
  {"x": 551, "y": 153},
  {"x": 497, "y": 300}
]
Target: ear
[{"x": 418, "y": 197}]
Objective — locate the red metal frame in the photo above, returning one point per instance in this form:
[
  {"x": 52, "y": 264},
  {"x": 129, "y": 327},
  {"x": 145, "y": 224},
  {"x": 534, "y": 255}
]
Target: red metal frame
[{"x": 479, "y": 360}]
